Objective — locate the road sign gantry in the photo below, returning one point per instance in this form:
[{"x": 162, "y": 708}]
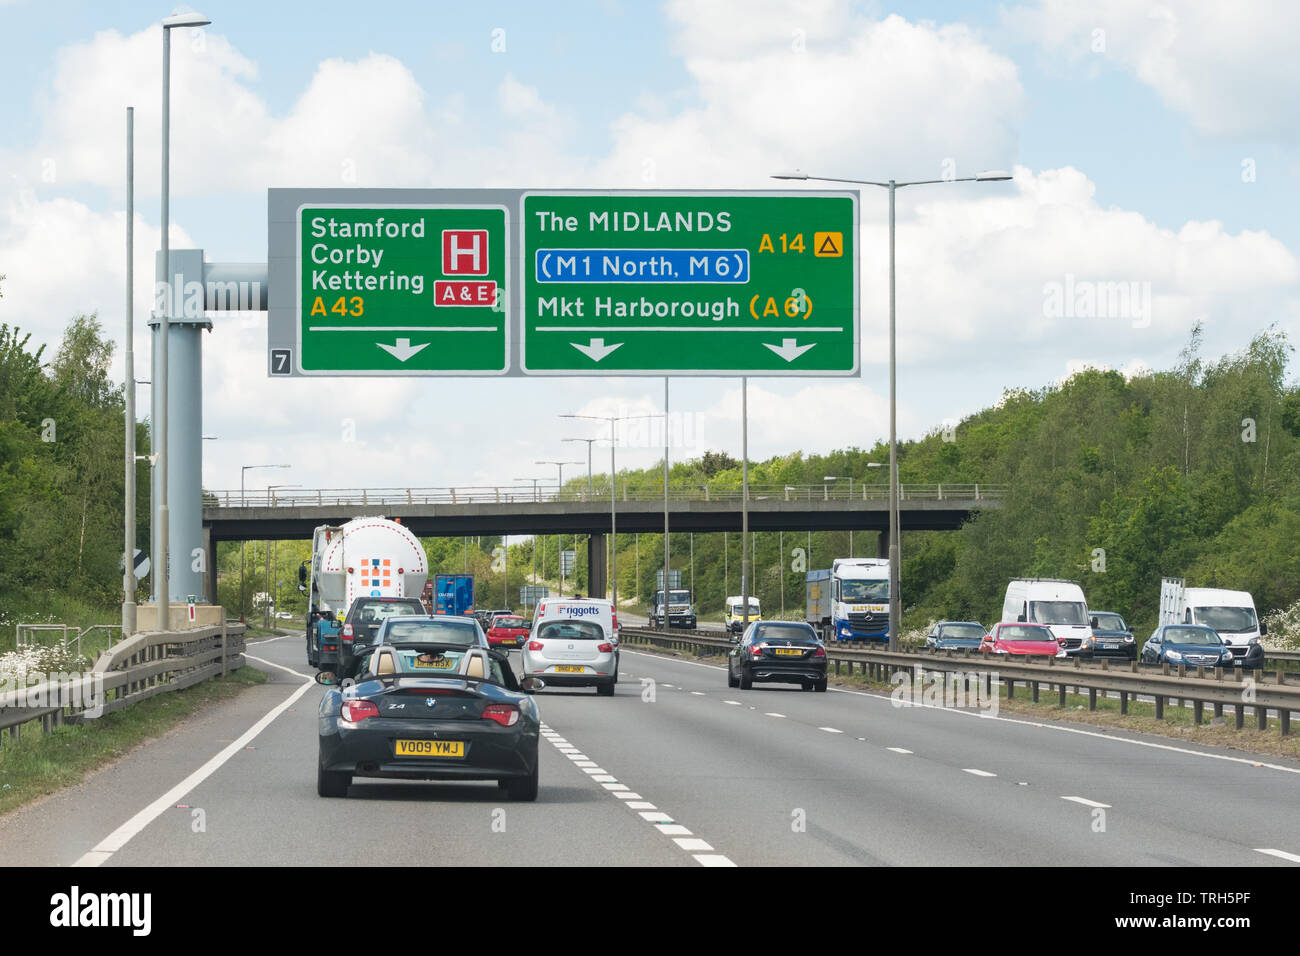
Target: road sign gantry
[{"x": 536, "y": 282}]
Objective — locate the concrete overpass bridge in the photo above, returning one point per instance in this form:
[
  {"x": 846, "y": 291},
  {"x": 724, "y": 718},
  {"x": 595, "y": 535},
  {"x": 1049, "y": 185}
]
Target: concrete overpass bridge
[{"x": 288, "y": 514}]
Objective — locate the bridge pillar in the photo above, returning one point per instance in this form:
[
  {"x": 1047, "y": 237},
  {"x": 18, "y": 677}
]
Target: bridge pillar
[
  {"x": 597, "y": 578},
  {"x": 882, "y": 544}
]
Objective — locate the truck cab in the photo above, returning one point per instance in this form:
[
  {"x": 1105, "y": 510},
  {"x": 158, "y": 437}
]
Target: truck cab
[
  {"x": 850, "y": 600},
  {"x": 679, "y": 611}
]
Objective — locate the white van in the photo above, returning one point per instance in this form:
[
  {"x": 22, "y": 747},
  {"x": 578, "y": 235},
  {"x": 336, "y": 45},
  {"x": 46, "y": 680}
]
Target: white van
[
  {"x": 1057, "y": 603},
  {"x": 1230, "y": 613},
  {"x": 574, "y": 642}
]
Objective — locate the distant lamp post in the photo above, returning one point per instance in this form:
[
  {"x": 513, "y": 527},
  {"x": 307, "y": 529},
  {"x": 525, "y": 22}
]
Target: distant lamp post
[
  {"x": 849, "y": 478},
  {"x": 242, "y": 544},
  {"x": 989, "y": 176}
]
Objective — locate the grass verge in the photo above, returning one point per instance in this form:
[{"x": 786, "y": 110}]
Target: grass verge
[
  {"x": 1178, "y": 723},
  {"x": 40, "y": 764}
]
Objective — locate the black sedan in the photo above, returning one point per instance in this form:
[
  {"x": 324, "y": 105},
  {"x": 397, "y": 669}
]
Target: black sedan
[
  {"x": 1110, "y": 637},
  {"x": 787, "y": 652},
  {"x": 955, "y": 636},
  {"x": 430, "y": 711}
]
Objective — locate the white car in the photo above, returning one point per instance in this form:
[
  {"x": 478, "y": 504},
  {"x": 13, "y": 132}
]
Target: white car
[{"x": 574, "y": 644}]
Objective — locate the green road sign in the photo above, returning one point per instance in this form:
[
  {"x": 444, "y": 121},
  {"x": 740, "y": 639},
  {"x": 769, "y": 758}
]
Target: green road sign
[
  {"x": 403, "y": 289},
  {"x": 690, "y": 283}
]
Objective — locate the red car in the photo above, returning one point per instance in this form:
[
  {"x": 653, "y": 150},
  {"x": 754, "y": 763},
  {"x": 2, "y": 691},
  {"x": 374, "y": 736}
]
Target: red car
[
  {"x": 1010, "y": 637},
  {"x": 507, "y": 631}
]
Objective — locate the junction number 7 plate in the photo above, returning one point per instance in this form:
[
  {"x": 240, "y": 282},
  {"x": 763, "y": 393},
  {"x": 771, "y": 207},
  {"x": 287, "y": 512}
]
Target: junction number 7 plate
[{"x": 430, "y": 748}]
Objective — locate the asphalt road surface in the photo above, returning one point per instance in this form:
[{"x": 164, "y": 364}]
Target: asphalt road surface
[{"x": 679, "y": 770}]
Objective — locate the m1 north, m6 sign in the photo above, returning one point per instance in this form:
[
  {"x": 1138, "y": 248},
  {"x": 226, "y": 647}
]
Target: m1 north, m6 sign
[{"x": 505, "y": 281}]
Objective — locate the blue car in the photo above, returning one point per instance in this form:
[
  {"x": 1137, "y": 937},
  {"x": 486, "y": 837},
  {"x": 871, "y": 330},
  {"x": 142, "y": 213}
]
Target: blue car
[
  {"x": 955, "y": 636},
  {"x": 1192, "y": 644}
]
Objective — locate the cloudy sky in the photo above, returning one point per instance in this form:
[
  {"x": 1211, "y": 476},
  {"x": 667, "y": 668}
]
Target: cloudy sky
[{"x": 1153, "y": 147}]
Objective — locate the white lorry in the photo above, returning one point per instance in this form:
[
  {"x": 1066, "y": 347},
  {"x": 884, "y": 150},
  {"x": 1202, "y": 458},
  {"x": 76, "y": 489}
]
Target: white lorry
[
  {"x": 365, "y": 557},
  {"x": 1058, "y": 603},
  {"x": 849, "y": 601},
  {"x": 1230, "y": 613}
]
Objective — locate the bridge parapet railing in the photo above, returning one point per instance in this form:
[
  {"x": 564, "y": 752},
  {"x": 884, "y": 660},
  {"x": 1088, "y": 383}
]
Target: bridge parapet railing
[{"x": 526, "y": 494}]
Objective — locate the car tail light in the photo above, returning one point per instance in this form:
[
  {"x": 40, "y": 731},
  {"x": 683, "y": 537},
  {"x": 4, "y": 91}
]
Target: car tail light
[
  {"x": 507, "y": 715},
  {"x": 358, "y": 710},
  {"x": 820, "y": 652},
  {"x": 347, "y": 632},
  {"x": 615, "y": 616},
  {"x": 536, "y": 645},
  {"x": 605, "y": 648},
  {"x": 756, "y": 650}
]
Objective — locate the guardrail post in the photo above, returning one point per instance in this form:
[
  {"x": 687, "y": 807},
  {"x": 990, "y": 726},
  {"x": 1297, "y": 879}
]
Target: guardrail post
[
  {"x": 1123, "y": 702},
  {"x": 225, "y": 660},
  {"x": 1060, "y": 695},
  {"x": 1261, "y": 717},
  {"x": 1284, "y": 718},
  {"x": 1160, "y": 706},
  {"x": 1092, "y": 698},
  {"x": 1011, "y": 687}
]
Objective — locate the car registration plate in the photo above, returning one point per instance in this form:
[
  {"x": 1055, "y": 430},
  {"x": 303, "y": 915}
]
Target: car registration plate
[
  {"x": 787, "y": 651},
  {"x": 431, "y": 748},
  {"x": 443, "y": 663},
  {"x": 569, "y": 668}
]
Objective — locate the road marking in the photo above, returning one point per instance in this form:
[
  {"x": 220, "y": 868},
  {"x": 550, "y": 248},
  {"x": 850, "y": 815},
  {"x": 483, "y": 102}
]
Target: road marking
[
  {"x": 692, "y": 843},
  {"x": 583, "y": 762},
  {"x": 132, "y": 827},
  {"x": 734, "y": 703},
  {"x": 672, "y": 829},
  {"x": 662, "y": 822},
  {"x": 1282, "y": 854},
  {"x": 899, "y": 750},
  {"x": 697, "y": 693},
  {"x": 1086, "y": 802},
  {"x": 774, "y": 715},
  {"x": 978, "y": 773},
  {"x": 830, "y": 730}
]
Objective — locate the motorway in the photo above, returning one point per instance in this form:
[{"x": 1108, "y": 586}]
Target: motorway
[{"x": 679, "y": 770}]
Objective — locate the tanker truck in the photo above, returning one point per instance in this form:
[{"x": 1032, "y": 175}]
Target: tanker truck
[{"x": 362, "y": 558}]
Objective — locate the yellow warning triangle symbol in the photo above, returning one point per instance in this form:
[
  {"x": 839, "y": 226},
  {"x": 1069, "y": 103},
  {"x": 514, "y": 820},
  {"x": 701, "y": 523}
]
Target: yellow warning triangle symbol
[{"x": 828, "y": 247}]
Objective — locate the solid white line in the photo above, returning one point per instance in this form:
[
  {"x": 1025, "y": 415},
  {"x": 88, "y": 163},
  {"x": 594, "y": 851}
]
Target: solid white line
[
  {"x": 1293, "y": 857},
  {"x": 830, "y": 730},
  {"x": 1087, "y": 803},
  {"x": 712, "y": 860},
  {"x": 978, "y": 773},
  {"x": 898, "y": 750},
  {"x": 124, "y": 834}
]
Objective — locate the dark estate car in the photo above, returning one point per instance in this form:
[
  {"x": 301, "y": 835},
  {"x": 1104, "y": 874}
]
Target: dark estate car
[
  {"x": 1190, "y": 644},
  {"x": 955, "y": 635},
  {"x": 788, "y": 652},
  {"x": 1110, "y": 637},
  {"x": 431, "y": 702},
  {"x": 361, "y": 626}
]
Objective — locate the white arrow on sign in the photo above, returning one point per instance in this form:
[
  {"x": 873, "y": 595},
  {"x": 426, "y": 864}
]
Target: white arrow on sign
[
  {"x": 597, "y": 350},
  {"x": 788, "y": 350},
  {"x": 403, "y": 350}
]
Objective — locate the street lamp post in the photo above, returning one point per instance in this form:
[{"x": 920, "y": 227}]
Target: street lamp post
[
  {"x": 589, "y": 442},
  {"x": 272, "y": 575},
  {"x": 242, "y": 544},
  {"x": 128, "y": 560},
  {"x": 990, "y": 176},
  {"x": 613, "y": 481},
  {"x": 559, "y": 486},
  {"x": 162, "y": 585}
]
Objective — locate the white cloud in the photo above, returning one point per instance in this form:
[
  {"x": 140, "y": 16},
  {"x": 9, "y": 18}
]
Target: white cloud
[{"x": 1230, "y": 67}]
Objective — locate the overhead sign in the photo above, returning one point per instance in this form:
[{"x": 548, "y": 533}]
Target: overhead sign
[
  {"x": 414, "y": 282},
  {"x": 689, "y": 284}
]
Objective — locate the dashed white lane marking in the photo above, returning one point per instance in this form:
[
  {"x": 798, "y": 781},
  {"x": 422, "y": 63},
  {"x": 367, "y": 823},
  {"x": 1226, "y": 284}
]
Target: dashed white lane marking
[
  {"x": 700, "y": 851},
  {"x": 697, "y": 693},
  {"x": 123, "y": 834},
  {"x": 1281, "y": 854},
  {"x": 734, "y": 703},
  {"x": 983, "y": 715},
  {"x": 978, "y": 773},
  {"x": 1088, "y": 803},
  {"x": 830, "y": 730},
  {"x": 774, "y": 715},
  {"x": 899, "y": 750}
]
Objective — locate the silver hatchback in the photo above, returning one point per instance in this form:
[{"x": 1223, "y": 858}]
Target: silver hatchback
[{"x": 572, "y": 654}]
